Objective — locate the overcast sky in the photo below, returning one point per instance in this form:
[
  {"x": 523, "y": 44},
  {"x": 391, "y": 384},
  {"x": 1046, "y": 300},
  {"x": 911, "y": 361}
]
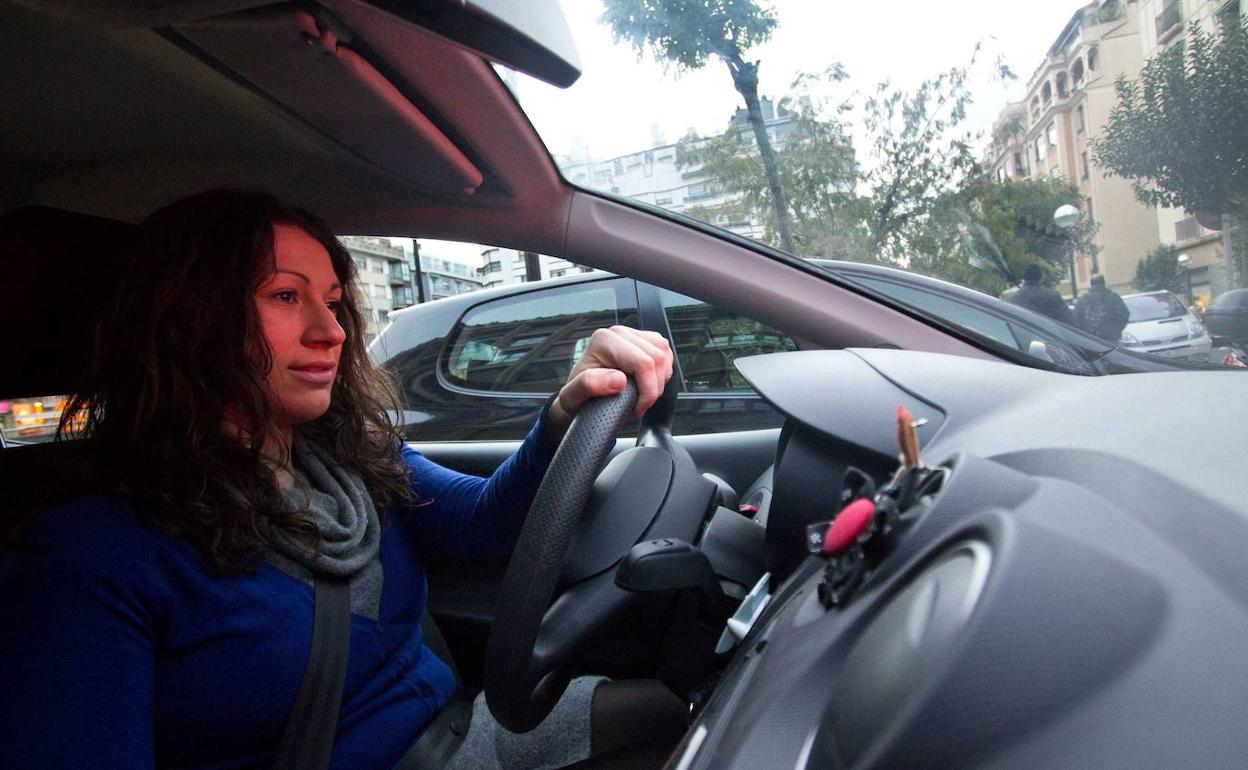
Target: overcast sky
[{"x": 618, "y": 98}]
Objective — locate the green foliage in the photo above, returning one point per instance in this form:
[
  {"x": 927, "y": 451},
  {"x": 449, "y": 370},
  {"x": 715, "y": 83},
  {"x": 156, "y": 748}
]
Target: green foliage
[
  {"x": 688, "y": 32},
  {"x": 985, "y": 234},
  {"x": 1159, "y": 270},
  {"x": 919, "y": 154},
  {"x": 1110, "y": 11},
  {"x": 816, "y": 166},
  {"x": 1178, "y": 131}
]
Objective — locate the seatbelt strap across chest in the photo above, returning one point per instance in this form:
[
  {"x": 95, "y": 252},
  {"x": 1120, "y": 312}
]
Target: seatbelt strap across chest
[{"x": 308, "y": 739}]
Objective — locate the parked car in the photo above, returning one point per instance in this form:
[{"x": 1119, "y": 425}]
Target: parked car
[
  {"x": 1014, "y": 328},
  {"x": 1162, "y": 325},
  {"x": 475, "y": 366}
]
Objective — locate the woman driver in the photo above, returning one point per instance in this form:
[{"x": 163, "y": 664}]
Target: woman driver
[{"x": 238, "y": 445}]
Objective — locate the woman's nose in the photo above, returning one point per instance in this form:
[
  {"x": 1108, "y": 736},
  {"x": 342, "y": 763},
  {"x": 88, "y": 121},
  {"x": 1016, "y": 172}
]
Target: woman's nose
[{"x": 324, "y": 328}]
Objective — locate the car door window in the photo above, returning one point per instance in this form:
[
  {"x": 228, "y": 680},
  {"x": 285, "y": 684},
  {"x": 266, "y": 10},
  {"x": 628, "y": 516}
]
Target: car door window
[
  {"x": 528, "y": 343},
  {"x": 708, "y": 339}
]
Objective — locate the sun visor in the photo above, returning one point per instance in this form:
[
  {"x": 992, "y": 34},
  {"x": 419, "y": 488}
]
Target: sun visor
[{"x": 311, "y": 70}]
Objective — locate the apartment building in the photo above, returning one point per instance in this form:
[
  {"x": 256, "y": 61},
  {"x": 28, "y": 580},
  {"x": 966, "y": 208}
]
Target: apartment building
[
  {"x": 385, "y": 278},
  {"x": 1068, "y": 100},
  {"x": 443, "y": 276},
  {"x": 503, "y": 267},
  {"x": 653, "y": 175},
  {"x": 1165, "y": 23}
]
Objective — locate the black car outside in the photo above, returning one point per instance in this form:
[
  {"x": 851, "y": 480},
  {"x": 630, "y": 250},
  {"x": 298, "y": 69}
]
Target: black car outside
[{"x": 478, "y": 366}]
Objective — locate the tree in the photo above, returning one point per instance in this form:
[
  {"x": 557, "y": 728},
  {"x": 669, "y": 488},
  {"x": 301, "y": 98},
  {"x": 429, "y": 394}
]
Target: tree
[
  {"x": 1159, "y": 270},
  {"x": 687, "y": 33},
  {"x": 1178, "y": 131},
  {"x": 816, "y": 166},
  {"x": 920, "y": 154},
  {"x": 986, "y": 233}
]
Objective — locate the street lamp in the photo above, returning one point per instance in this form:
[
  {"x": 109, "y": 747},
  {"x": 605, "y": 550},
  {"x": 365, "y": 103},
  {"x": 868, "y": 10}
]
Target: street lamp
[
  {"x": 1066, "y": 217},
  {"x": 1185, "y": 262}
]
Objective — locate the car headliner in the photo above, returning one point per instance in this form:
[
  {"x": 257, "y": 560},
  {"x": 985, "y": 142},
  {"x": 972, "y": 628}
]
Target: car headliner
[{"x": 114, "y": 110}]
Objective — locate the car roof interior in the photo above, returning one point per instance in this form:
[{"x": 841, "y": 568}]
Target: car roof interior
[{"x": 367, "y": 118}]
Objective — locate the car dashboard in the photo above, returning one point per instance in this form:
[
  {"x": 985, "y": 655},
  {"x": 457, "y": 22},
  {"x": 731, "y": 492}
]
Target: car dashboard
[{"x": 1074, "y": 592}]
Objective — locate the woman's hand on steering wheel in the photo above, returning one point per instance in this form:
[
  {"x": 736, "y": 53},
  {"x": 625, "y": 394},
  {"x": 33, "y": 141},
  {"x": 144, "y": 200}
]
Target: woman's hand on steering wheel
[{"x": 602, "y": 370}]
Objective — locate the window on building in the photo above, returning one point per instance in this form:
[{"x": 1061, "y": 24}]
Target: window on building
[
  {"x": 528, "y": 343},
  {"x": 663, "y": 200},
  {"x": 1050, "y": 134},
  {"x": 1020, "y": 165},
  {"x": 708, "y": 339},
  {"x": 558, "y": 273},
  {"x": 1081, "y": 121},
  {"x": 360, "y": 264},
  {"x": 493, "y": 267},
  {"x": 1087, "y": 207},
  {"x": 699, "y": 190},
  {"x": 1083, "y": 170},
  {"x": 1039, "y": 148},
  {"x": 585, "y": 269},
  {"x": 1094, "y": 58}
]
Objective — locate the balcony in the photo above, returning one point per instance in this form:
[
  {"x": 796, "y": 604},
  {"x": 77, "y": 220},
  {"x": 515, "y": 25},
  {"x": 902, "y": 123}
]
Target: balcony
[
  {"x": 1168, "y": 22},
  {"x": 400, "y": 274}
]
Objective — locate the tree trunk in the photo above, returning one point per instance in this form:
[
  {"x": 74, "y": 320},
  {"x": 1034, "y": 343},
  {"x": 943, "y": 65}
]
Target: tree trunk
[{"x": 745, "y": 78}]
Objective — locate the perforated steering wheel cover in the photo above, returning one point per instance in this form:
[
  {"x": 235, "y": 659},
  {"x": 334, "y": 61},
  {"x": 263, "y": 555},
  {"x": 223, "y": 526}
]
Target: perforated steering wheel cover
[{"x": 518, "y": 696}]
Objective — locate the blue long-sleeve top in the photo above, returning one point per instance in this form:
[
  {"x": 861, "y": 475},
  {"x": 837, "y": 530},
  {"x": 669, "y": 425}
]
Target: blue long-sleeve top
[{"x": 120, "y": 647}]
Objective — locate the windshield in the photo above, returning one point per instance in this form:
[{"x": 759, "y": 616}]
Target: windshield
[
  {"x": 1154, "y": 307},
  {"x": 1023, "y": 161}
]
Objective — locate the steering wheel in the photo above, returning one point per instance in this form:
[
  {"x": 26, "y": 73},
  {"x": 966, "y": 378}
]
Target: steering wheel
[{"x": 536, "y": 637}]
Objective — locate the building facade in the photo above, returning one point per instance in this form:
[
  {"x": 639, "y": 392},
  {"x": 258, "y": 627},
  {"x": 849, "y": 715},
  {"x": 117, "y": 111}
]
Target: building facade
[
  {"x": 656, "y": 176},
  {"x": 1068, "y": 102},
  {"x": 503, "y": 267},
  {"x": 1048, "y": 133},
  {"x": 443, "y": 276},
  {"x": 385, "y": 278}
]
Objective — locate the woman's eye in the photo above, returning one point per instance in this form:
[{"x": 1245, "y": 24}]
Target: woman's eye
[
  {"x": 334, "y": 305},
  {"x": 284, "y": 296}
]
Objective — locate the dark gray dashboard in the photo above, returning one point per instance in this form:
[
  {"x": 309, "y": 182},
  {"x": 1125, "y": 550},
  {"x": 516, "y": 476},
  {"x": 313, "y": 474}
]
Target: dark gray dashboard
[{"x": 1075, "y": 595}]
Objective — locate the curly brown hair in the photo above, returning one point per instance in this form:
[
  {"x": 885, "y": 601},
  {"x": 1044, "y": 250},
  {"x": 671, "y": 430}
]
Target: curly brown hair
[{"x": 181, "y": 350}]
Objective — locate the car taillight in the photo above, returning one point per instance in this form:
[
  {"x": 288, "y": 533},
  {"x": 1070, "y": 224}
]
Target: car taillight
[{"x": 1234, "y": 360}]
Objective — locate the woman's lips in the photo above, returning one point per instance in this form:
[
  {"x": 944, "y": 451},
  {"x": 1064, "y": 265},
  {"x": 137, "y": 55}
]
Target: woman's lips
[{"x": 314, "y": 373}]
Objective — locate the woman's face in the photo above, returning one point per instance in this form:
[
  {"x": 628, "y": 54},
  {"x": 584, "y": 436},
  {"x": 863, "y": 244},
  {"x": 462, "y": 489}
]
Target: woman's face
[{"x": 297, "y": 307}]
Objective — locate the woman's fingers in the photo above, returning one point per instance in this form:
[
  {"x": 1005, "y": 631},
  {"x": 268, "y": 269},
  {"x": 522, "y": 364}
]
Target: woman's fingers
[{"x": 646, "y": 356}]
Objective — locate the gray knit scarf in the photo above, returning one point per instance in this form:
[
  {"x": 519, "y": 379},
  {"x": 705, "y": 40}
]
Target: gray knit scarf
[{"x": 338, "y": 503}]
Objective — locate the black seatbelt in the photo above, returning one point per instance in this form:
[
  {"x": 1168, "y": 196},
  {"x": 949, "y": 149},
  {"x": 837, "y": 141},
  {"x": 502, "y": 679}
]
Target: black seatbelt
[{"x": 309, "y": 736}]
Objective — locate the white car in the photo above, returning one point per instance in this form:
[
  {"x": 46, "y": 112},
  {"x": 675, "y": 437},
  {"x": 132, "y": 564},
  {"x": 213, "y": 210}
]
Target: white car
[{"x": 1162, "y": 325}]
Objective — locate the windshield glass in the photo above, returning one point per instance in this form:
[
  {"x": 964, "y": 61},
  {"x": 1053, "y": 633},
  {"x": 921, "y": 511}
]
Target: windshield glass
[
  {"x": 1154, "y": 307},
  {"x": 1023, "y": 161}
]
